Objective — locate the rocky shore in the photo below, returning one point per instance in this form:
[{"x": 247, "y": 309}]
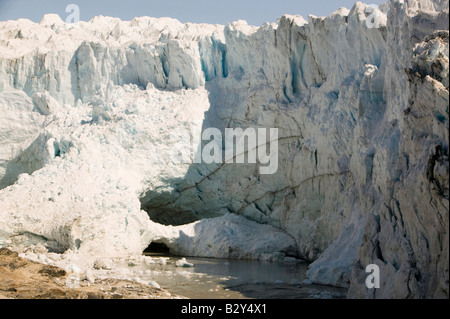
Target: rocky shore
[{"x": 24, "y": 279}]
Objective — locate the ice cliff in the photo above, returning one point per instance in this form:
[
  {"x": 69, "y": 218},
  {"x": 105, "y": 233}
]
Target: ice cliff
[{"x": 90, "y": 117}]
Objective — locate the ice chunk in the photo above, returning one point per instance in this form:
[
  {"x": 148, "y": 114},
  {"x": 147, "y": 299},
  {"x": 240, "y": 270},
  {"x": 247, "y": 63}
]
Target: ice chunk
[{"x": 183, "y": 263}]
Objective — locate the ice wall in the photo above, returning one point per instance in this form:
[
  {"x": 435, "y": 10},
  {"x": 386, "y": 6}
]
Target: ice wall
[{"x": 362, "y": 113}]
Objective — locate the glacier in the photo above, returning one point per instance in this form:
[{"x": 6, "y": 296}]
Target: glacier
[{"x": 91, "y": 116}]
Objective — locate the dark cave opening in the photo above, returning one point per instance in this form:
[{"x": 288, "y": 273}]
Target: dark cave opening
[{"x": 156, "y": 249}]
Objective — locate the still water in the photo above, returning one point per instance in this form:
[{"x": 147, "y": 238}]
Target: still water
[{"x": 237, "y": 279}]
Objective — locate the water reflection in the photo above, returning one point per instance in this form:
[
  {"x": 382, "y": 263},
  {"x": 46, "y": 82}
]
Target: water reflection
[{"x": 232, "y": 279}]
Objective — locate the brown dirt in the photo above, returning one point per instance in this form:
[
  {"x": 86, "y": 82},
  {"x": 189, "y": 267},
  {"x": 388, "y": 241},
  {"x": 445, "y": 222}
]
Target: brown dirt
[{"x": 24, "y": 279}]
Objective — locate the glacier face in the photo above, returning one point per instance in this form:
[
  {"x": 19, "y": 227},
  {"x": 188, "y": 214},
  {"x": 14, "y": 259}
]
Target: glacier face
[{"x": 91, "y": 116}]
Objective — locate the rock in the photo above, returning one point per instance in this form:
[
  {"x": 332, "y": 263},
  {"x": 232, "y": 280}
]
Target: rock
[
  {"x": 89, "y": 276},
  {"x": 103, "y": 264},
  {"x": 31, "y": 280},
  {"x": 154, "y": 284}
]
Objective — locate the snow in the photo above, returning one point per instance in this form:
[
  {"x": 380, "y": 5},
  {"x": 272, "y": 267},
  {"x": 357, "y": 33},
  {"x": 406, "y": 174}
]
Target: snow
[
  {"x": 90, "y": 149},
  {"x": 92, "y": 119},
  {"x": 45, "y": 103}
]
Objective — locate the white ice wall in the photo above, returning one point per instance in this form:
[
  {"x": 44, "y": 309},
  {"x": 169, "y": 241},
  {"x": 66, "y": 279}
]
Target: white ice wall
[{"x": 362, "y": 114}]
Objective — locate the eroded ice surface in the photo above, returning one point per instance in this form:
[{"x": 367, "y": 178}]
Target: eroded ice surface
[{"x": 90, "y": 119}]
